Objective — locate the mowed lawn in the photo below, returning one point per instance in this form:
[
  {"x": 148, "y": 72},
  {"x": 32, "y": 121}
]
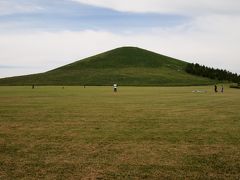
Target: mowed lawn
[{"x": 137, "y": 133}]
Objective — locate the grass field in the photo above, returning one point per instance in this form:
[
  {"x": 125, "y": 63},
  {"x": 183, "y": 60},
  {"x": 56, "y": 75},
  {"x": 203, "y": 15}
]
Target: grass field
[{"x": 139, "y": 132}]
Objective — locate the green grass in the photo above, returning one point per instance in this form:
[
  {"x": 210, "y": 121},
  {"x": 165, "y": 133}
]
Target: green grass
[
  {"x": 137, "y": 133},
  {"x": 126, "y": 66}
]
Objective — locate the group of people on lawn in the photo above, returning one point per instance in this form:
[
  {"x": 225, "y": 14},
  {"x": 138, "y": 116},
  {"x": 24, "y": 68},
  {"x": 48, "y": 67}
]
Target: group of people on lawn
[
  {"x": 115, "y": 88},
  {"x": 216, "y": 89}
]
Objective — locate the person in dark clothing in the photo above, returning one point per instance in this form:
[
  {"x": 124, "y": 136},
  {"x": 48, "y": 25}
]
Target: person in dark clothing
[
  {"x": 215, "y": 88},
  {"x": 33, "y": 86},
  {"x": 222, "y": 89}
]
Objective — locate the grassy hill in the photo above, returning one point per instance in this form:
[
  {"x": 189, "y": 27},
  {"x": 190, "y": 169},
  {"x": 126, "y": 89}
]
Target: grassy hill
[{"x": 125, "y": 66}]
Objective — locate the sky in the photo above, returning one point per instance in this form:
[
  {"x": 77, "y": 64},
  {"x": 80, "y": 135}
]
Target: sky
[{"x": 40, "y": 35}]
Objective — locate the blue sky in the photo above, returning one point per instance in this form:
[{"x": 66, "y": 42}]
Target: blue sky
[
  {"x": 38, "y": 35},
  {"x": 60, "y": 15}
]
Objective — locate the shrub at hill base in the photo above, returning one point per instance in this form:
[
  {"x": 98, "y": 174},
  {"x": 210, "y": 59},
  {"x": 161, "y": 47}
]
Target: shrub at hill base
[{"x": 237, "y": 86}]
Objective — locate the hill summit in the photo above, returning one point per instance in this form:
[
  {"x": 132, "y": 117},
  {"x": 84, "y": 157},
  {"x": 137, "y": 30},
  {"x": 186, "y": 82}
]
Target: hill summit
[{"x": 125, "y": 66}]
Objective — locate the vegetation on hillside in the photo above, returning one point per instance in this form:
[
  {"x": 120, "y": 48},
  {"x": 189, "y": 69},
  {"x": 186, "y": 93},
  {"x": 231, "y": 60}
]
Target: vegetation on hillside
[{"x": 212, "y": 73}]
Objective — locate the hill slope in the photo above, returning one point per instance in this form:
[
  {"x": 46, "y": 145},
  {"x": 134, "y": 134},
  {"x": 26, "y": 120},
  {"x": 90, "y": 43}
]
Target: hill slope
[{"x": 125, "y": 66}]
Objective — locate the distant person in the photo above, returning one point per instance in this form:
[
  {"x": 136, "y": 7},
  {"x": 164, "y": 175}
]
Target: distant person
[
  {"x": 222, "y": 89},
  {"x": 115, "y": 87},
  {"x": 33, "y": 86},
  {"x": 215, "y": 88}
]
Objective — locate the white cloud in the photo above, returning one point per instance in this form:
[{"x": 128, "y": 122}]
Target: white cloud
[
  {"x": 42, "y": 51},
  {"x": 12, "y": 7},
  {"x": 183, "y": 7},
  {"x": 211, "y": 40}
]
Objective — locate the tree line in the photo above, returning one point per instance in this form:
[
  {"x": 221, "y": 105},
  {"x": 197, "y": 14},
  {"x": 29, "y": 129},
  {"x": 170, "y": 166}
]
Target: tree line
[{"x": 218, "y": 74}]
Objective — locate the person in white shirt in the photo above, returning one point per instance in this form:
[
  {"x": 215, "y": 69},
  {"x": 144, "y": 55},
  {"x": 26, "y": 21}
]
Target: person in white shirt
[{"x": 115, "y": 87}]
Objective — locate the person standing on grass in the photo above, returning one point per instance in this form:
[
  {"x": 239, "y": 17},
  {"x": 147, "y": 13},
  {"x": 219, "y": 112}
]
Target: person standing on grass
[
  {"x": 215, "y": 88},
  {"x": 222, "y": 89},
  {"x": 115, "y": 87},
  {"x": 33, "y": 86}
]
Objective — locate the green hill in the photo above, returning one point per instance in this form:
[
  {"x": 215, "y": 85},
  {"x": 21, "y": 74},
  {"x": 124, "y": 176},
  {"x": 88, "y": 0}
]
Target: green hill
[{"x": 125, "y": 66}]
